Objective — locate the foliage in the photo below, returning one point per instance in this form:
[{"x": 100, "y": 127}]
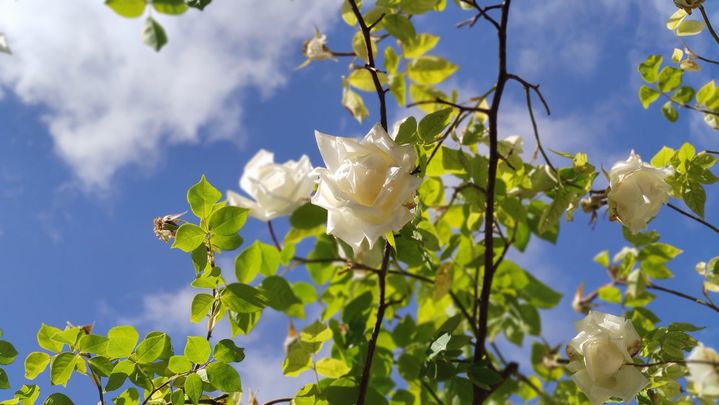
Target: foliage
[{"x": 418, "y": 325}]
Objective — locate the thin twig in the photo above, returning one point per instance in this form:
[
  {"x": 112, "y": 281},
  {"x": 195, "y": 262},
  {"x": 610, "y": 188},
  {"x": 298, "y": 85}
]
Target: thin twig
[
  {"x": 273, "y": 236},
  {"x": 699, "y": 301},
  {"x": 457, "y": 120},
  {"x": 694, "y": 217},
  {"x": 438, "y": 100},
  {"x": 278, "y": 401},
  {"x": 528, "y": 95},
  {"x": 96, "y": 380},
  {"x": 431, "y": 392},
  {"x": 372, "y": 344},
  {"x": 709, "y": 24},
  {"x": 371, "y": 66}
]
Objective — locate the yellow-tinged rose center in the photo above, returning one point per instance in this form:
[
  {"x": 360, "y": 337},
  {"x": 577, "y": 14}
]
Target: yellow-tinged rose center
[{"x": 603, "y": 359}]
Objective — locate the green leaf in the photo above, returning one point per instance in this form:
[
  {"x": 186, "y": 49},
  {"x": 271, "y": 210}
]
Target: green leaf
[
  {"x": 279, "y": 293},
  {"x": 610, "y": 294},
  {"x": 669, "y": 112},
  {"x": 223, "y": 242},
  {"x": 676, "y": 18},
  {"x": 398, "y": 88},
  {"x": 419, "y": 45},
  {"x": 58, "y": 399},
  {"x": 706, "y": 93},
  {"x": 362, "y": 79},
  {"x": 198, "y": 4},
  {"x": 647, "y": 96},
  {"x": 228, "y": 220},
  {"x": 399, "y": 27},
  {"x": 45, "y": 338},
  {"x": 4, "y": 382},
  {"x": 171, "y": 7},
  {"x": 179, "y": 364},
  {"x": 650, "y": 68},
  {"x": 197, "y": 349},
  {"x": 332, "y": 368},
  {"x": 127, "y": 8},
  {"x": 150, "y": 348},
  {"x": 354, "y": 104},
  {"x": 602, "y": 258},
  {"x": 202, "y": 197},
  {"x": 348, "y": 14},
  {"x": 669, "y": 79},
  {"x": 317, "y": 332},
  {"x": 189, "y": 237},
  {"x": 683, "y": 94},
  {"x": 407, "y": 131},
  {"x": 122, "y": 341},
  {"x": 438, "y": 345},
  {"x": 539, "y": 294},
  {"x": 243, "y": 298},
  {"x": 308, "y": 216},
  {"x": 694, "y": 197},
  {"x": 430, "y": 70},
  {"x": 35, "y": 364},
  {"x": 7, "y": 352},
  {"x": 201, "y": 305},
  {"x": 258, "y": 257},
  {"x": 94, "y": 344},
  {"x": 227, "y": 352},
  {"x": 391, "y": 60},
  {"x": 663, "y": 157},
  {"x": 193, "y": 388},
  {"x": 223, "y": 377},
  {"x": 153, "y": 34},
  {"x": 61, "y": 368},
  {"x": 689, "y": 27},
  {"x": 297, "y": 360},
  {"x": 433, "y": 124}
]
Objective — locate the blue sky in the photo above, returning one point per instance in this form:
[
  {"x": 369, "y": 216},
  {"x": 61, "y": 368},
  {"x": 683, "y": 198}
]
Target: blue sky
[{"x": 99, "y": 135}]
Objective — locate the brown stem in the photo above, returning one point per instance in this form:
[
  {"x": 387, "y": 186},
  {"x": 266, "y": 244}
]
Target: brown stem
[
  {"x": 527, "y": 91},
  {"x": 96, "y": 380},
  {"x": 699, "y": 301},
  {"x": 709, "y": 24},
  {"x": 460, "y": 107},
  {"x": 479, "y": 394},
  {"x": 694, "y": 217},
  {"x": 372, "y": 344},
  {"x": 371, "y": 66}
]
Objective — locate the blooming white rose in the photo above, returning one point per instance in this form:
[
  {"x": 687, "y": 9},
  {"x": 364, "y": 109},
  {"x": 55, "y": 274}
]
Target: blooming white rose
[
  {"x": 704, "y": 377},
  {"x": 277, "y": 189},
  {"x": 637, "y": 192},
  {"x": 599, "y": 355},
  {"x": 366, "y": 187}
]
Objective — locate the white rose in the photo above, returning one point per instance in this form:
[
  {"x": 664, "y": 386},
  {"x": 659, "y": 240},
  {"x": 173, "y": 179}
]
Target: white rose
[
  {"x": 599, "y": 355},
  {"x": 637, "y": 192},
  {"x": 277, "y": 189},
  {"x": 366, "y": 187},
  {"x": 704, "y": 377},
  {"x": 316, "y": 48}
]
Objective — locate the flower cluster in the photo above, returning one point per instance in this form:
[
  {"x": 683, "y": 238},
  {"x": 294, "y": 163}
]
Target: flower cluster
[
  {"x": 702, "y": 364},
  {"x": 599, "y": 357},
  {"x": 366, "y": 187}
]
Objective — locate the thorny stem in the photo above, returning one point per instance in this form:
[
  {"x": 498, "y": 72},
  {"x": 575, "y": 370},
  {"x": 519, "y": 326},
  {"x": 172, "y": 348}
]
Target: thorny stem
[
  {"x": 372, "y": 344},
  {"x": 709, "y": 24},
  {"x": 694, "y": 217},
  {"x": 479, "y": 394}
]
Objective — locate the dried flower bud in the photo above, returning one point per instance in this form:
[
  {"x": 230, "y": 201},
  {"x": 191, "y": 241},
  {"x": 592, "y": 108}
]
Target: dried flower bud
[
  {"x": 166, "y": 227},
  {"x": 688, "y": 5}
]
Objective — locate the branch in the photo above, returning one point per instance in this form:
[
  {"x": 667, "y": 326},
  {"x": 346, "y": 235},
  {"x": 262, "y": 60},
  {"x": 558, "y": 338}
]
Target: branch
[
  {"x": 96, "y": 380},
  {"x": 431, "y": 392},
  {"x": 478, "y": 394},
  {"x": 278, "y": 401},
  {"x": 699, "y": 301},
  {"x": 438, "y": 100},
  {"x": 371, "y": 63},
  {"x": 372, "y": 344},
  {"x": 273, "y": 236},
  {"x": 527, "y": 91},
  {"x": 709, "y": 24},
  {"x": 457, "y": 120},
  {"x": 694, "y": 217}
]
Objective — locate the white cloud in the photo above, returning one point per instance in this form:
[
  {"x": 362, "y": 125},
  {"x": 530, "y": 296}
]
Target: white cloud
[
  {"x": 166, "y": 311},
  {"x": 112, "y": 101}
]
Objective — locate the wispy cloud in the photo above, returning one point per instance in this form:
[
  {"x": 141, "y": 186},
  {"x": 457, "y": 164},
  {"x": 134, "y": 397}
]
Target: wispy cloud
[{"x": 112, "y": 102}]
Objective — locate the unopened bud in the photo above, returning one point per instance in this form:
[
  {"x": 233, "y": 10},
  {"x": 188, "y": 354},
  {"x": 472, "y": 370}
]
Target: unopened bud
[{"x": 688, "y": 5}]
